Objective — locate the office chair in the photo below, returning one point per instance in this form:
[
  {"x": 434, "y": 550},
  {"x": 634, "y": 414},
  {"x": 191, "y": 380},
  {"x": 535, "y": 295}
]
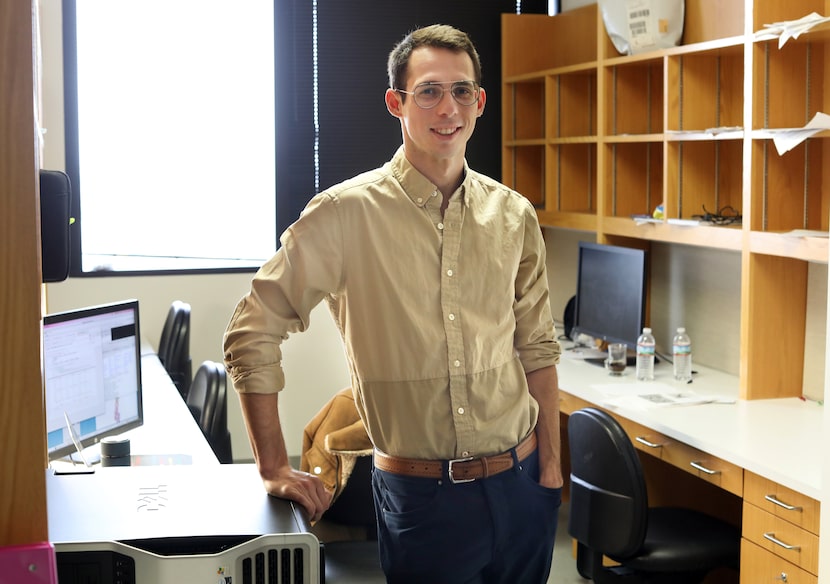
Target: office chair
[
  {"x": 609, "y": 515},
  {"x": 207, "y": 400},
  {"x": 174, "y": 346},
  {"x": 354, "y": 561}
]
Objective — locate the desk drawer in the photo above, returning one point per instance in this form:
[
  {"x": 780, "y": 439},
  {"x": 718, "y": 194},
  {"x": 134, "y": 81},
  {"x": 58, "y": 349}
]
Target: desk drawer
[
  {"x": 643, "y": 437},
  {"x": 782, "y": 502},
  {"x": 758, "y": 566},
  {"x": 781, "y": 537},
  {"x": 705, "y": 466}
]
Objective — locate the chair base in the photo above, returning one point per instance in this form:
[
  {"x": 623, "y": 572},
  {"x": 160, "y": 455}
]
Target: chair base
[{"x": 589, "y": 565}]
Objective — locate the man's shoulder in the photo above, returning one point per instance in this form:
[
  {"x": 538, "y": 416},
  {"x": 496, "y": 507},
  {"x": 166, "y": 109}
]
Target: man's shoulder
[
  {"x": 358, "y": 184},
  {"x": 495, "y": 190}
]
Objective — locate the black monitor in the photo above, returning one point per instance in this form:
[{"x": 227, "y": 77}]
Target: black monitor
[
  {"x": 92, "y": 375},
  {"x": 610, "y": 293}
]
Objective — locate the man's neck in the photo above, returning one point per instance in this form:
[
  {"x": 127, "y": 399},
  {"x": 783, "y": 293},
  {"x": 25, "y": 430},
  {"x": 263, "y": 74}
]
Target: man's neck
[{"x": 446, "y": 174}]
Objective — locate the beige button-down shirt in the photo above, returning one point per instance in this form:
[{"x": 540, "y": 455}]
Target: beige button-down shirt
[{"x": 441, "y": 316}]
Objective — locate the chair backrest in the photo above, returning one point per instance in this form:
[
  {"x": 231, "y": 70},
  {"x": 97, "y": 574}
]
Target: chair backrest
[
  {"x": 174, "y": 346},
  {"x": 356, "y": 505},
  {"x": 609, "y": 502},
  {"x": 207, "y": 400}
]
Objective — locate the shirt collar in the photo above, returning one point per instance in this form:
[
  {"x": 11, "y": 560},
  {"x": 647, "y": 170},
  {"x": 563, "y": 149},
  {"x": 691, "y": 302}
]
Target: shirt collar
[{"x": 418, "y": 187}]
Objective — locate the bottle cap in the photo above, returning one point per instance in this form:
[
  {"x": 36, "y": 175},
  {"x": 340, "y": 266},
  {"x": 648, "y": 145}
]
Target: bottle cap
[
  {"x": 646, "y": 329},
  {"x": 681, "y": 329}
]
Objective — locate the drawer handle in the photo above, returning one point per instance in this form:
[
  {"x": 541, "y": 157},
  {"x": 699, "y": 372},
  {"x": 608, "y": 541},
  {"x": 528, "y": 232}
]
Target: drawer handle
[
  {"x": 771, "y": 537},
  {"x": 782, "y": 576},
  {"x": 645, "y": 442},
  {"x": 702, "y": 468},
  {"x": 774, "y": 499}
]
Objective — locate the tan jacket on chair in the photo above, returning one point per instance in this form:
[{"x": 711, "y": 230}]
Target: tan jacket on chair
[{"x": 332, "y": 441}]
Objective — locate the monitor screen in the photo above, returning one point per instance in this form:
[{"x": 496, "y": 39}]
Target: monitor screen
[
  {"x": 92, "y": 375},
  {"x": 610, "y": 293}
]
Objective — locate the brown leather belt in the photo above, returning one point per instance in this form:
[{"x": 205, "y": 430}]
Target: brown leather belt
[{"x": 460, "y": 470}]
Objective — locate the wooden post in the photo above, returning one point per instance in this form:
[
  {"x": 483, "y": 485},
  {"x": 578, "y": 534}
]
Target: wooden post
[{"x": 23, "y": 517}]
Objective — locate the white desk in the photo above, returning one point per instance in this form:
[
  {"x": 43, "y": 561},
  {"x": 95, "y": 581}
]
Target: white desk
[
  {"x": 776, "y": 438},
  {"x": 761, "y": 451},
  {"x": 169, "y": 427}
]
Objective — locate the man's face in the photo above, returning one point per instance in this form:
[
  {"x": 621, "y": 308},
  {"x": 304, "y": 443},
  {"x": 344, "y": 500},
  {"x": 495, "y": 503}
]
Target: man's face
[{"x": 441, "y": 132}]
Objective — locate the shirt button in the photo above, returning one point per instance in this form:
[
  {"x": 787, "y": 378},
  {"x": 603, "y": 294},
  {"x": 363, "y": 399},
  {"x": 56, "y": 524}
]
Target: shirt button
[
  {"x": 440, "y": 226},
  {"x": 465, "y": 453},
  {"x": 461, "y": 411},
  {"x": 451, "y": 316},
  {"x": 420, "y": 200},
  {"x": 457, "y": 363},
  {"x": 450, "y": 273}
]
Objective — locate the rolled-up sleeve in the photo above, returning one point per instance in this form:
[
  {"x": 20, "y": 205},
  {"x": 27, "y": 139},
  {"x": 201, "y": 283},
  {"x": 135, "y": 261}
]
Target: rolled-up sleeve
[
  {"x": 307, "y": 268},
  {"x": 535, "y": 338}
]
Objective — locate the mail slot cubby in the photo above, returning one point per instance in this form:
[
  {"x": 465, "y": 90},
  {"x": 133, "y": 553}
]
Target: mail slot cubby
[
  {"x": 572, "y": 178},
  {"x": 704, "y": 176},
  {"x": 572, "y": 104},
  {"x": 524, "y": 111},
  {"x": 525, "y": 171},
  {"x": 788, "y": 83},
  {"x": 634, "y": 178},
  {"x": 705, "y": 90},
  {"x": 790, "y": 190},
  {"x": 634, "y": 92}
]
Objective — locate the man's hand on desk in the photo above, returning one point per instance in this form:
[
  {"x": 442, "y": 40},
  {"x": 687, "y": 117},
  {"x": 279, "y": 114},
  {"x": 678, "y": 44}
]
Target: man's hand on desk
[{"x": 301, "y": 487}]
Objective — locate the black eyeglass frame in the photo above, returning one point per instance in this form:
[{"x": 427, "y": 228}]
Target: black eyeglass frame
[{"x": 440, "y": 85}]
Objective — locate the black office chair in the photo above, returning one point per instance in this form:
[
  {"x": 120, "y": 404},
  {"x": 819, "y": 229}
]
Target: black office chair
[
  {"x": 207, "y": 400},
  {"x": 609, "y": 515},
  {"x": 354, "y": 561},
  {"x": 174, "y": 346}
]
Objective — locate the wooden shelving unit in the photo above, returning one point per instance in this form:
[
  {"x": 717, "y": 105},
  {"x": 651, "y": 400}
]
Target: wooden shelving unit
[{"x": 591, "y": 137}]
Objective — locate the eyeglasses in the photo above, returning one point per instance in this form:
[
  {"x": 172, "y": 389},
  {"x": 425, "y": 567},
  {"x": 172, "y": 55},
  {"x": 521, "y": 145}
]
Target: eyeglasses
[{"x": 428, "y": 95}]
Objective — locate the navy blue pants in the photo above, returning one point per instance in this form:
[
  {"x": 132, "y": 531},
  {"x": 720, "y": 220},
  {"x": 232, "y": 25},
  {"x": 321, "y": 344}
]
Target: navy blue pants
[{"x": 496, "y": 530}]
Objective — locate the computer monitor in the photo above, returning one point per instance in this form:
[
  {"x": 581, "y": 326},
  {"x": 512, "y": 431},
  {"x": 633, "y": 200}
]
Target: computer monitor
[
  {"x": 610, "y": 293},
  {"x": 92, "y": 375}
]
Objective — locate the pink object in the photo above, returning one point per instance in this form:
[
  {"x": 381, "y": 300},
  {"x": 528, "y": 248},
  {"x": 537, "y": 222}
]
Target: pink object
[{"x": 28, "y": 564}]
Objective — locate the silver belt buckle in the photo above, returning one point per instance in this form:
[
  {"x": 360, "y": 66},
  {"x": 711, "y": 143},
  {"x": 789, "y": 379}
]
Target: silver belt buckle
[{"x": 453, "y": 480}]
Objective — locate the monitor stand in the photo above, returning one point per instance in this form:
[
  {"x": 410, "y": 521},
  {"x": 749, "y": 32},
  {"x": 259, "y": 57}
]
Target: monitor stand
[{"x": 88, "y": 456}]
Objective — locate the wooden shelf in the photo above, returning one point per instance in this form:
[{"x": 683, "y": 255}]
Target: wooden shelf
[{"x": 599, "y": 136}]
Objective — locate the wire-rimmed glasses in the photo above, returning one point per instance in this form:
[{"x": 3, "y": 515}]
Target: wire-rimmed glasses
[{"x": 428, "y": 95}]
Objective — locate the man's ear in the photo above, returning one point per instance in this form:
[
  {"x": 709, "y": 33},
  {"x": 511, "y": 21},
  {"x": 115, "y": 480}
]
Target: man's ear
[
  {"x": 393, "y": 103},
  {"x": 482, "y": 99}
]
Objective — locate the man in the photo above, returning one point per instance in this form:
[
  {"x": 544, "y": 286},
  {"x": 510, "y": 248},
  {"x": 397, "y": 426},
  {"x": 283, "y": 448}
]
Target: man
[{"x": 435, "y": 276}]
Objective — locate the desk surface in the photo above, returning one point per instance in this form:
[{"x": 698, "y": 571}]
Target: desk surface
[
  {"x": 776, "y": 438},
  {"x": 169, "y": 427},
  {"x": 140, "y": 502}
]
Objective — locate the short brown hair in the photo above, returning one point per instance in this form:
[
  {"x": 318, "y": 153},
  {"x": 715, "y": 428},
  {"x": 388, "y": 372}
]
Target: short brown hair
[{"x": 440, "y": 36}]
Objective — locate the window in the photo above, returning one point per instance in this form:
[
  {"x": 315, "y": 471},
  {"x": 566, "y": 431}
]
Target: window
[
  {"x": 184, "y": 157},
  {"x": 171, "y": 133}
]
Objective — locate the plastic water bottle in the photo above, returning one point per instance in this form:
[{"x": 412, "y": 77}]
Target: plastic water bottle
[
  {"x": 682, "y": 355},
  {"x": 645, "y": 356}
]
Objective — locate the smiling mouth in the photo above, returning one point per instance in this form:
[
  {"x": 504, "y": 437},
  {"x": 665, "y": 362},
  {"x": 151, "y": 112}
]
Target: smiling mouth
[{"x": 445, "y": 131}]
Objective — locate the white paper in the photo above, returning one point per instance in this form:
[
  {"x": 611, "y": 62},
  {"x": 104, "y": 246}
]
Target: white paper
[
  {"x": 649, "y": 395},
  {"x": 791, "y": 29},
  {"x": 786, "y": 140}
]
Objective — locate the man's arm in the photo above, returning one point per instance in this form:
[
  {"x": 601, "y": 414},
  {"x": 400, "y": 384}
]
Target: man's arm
[
  {"x": 262, "y": 418},
  {"x": 544, "y": 387}
]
